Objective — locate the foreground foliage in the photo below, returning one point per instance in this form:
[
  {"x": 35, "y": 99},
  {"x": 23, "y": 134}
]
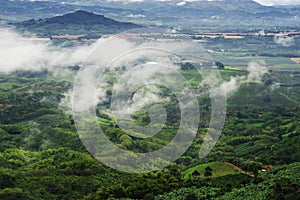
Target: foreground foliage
[{"x": 42, "y": 156}]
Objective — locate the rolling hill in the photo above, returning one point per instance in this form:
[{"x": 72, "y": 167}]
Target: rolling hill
[
  {"x": 235, "y": 13},
  {"x": 226, "y": 14},
  {"x": 78, "y": 22}
]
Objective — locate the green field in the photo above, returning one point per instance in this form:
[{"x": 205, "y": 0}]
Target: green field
[{"x": 218, "y": 169}]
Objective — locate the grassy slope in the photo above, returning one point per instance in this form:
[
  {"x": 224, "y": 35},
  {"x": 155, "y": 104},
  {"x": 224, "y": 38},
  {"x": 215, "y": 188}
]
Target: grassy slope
[{"x": 219, "y": 169}]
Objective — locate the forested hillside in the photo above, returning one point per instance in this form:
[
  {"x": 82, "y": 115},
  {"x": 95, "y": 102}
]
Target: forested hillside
[
  {"x": 149, "y": 99},
  {"x": 42, "y": 156}
]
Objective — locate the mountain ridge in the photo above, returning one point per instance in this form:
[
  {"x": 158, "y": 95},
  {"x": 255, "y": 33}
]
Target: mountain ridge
[
  {"x": 78, "y": 22},
  {"x": 219, "y": 14}
]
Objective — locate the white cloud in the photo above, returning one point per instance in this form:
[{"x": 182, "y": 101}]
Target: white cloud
[
  {"x": 277, "y": 2},
  {"x": 136, "y": 16},
  {"x": 256, "y": 71},
  {"x": 284, "y": 41},
  {"x": 119, "y": 0},
  {"x": 263, "y": 2},
  {"x": 181, "y": 3},
  {"x": 29, "y": 54}
]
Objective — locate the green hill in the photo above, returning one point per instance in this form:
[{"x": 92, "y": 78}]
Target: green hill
[
  {"x": 79, "y": 22},
  {"x": 42, "y": 156},
  {"x": 218, "y": 169}
]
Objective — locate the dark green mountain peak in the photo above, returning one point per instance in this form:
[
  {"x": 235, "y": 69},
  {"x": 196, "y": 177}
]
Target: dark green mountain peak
[
  {"x": 82, "y": 16},
  {"x": 78, "y": 22}
]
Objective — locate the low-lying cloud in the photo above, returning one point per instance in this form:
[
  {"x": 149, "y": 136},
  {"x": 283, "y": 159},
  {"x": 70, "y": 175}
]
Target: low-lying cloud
[
  {"x": 256, "y": 71},
  {"x": 18, "y": 53},
  {"x": 136, "y": 16},
  {"x": 284, "y": 40}
]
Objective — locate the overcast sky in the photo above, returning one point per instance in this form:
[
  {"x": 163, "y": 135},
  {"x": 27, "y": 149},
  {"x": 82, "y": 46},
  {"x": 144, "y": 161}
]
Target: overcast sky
[
  {"x": 264, "y": 2},
  {"x": 274, "y": 2}
]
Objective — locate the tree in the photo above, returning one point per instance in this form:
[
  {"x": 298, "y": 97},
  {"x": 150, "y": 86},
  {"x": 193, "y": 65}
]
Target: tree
[
  {"x": 208, "y": 171},
  {"x": 11, "y": 193},
  {"x": 191, "y": 196},
  {"x": 207, "y": 65},
  {"x": 187, "y": 66},
  {"x": 195, "y": 173},
  {"x": 220, "y": 65},
  {"x": 149, "y": 196}
]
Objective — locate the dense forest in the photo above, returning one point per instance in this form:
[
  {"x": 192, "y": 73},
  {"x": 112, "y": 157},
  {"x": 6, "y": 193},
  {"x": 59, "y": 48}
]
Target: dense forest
[
  {"x": 246, "y": 52},
  {"x": 42, "y": 156}
]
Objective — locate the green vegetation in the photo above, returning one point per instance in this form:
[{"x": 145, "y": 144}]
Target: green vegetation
[
  {"x": 77, "y": 23},
  {"x": 217, "y": 169},
  {"x": 239, "y": 52},
  {"x": 42, "y": 156}
]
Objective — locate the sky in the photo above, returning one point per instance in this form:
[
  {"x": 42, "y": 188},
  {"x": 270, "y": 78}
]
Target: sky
[
  {"x": 278, "y": 2},
  {"x": 264, "y": 2}
]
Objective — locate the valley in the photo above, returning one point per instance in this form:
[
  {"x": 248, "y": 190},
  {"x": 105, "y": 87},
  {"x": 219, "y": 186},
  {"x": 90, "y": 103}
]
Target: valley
[{"x": 64, "y": 63}]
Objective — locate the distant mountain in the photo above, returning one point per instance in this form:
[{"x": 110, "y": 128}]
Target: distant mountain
[
  {"x": 214, "y": 13},
  {"x": 20, "y": 10},
  {"x": 219, "y": 14},
  {"x": 225, "y": 13},
  {"x": 78, "y": 22}
]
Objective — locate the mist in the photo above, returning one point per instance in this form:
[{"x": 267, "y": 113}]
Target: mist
[
  {"x": 256, "y": 71},
  {"x": 284, "y": 41},
  {"x": 19, "y": 53}
]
